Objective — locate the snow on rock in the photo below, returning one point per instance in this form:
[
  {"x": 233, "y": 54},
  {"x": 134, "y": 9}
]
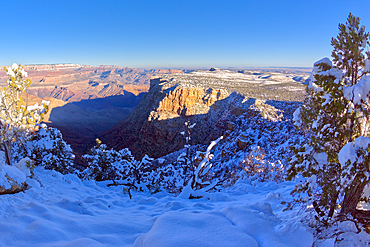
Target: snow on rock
[
  {"x": 12, "y": 178},
  {"x": 10, "y": 175},
  {"x": 22, "y": 165}
]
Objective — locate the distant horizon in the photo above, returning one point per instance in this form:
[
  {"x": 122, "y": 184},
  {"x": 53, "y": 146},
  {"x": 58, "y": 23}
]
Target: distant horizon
[{"x": 186, "y": 67}]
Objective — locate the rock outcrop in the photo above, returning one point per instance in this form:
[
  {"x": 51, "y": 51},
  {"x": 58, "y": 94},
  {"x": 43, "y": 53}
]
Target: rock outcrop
[
  {"x": 13, "y": 177},
  {"x": 209, "y": 99},
  {"x": 14, "y": 188}
]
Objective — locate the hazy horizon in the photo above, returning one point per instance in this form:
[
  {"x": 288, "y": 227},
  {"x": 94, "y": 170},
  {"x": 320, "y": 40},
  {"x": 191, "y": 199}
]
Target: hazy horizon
[{"x": 169, "y": 67}]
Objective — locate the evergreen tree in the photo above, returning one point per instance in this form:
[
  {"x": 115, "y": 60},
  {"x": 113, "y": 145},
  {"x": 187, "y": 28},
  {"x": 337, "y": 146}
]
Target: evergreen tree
[
  {"x": 16, "y": 118},
  {"x": 335, "y": 117}
]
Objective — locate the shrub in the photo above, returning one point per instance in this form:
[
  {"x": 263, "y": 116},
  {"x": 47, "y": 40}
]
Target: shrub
[
  {"x": 47, "y": 148},
  {"x": 16, "y": 118}
]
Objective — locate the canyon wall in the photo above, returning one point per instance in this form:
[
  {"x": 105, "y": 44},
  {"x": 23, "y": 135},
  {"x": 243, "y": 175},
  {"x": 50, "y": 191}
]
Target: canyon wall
[{"x": 208, "y": 98}]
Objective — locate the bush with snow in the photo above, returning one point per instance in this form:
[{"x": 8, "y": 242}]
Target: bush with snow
[
  {"x": 106, "y": 164},
  {"x": 16, "y": 118},
  {"x": 258, "y": 146},
  {"x": 256, "y": 167},
  {"x": 47, "y": 148}
]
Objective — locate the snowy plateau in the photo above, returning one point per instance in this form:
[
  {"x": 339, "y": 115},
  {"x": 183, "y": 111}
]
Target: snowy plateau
[{"x": 241, "y": 199}]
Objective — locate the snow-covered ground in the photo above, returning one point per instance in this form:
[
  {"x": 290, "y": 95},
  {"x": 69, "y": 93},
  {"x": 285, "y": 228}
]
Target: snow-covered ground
[
  {"x": 253, "y": 77},
  {"x": 62, "y": 210},
  {"x": 287, "y": 86}
]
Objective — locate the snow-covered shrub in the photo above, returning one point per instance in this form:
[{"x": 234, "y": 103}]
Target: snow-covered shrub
[
  {"x": 47, "y": 148},
  {"x": 169, "y": 178},
  {"x": 137, "y": 173},
  {"x": 107, "y": 164},
  {"x": 258, "y": 145},
  {"x": 120, "y": 167},
  {"x": 258, "y": 168},
  {"x": 191, "y": 169},
  {"x": 186, "y": 158},
  {"x": 202, "y": 177},
  {"x": 16, "y": 118},
  {"x": 335, "y": 117},
  {"x": 173, "y": 176}
]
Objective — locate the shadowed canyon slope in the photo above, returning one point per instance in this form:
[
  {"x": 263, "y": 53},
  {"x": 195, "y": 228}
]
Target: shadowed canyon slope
[
  {"x": 86, "y": 100},
  {"x": 208, "y": 98}
]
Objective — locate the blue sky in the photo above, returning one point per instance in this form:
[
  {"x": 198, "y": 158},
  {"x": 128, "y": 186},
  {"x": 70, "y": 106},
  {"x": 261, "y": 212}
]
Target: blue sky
[{"x": 173, "y": 33}]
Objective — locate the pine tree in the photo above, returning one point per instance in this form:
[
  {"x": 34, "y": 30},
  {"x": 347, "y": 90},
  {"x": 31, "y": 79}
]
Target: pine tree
[
  {"x": 335, "y": 117},
  {"x": 16, "y": 118}
]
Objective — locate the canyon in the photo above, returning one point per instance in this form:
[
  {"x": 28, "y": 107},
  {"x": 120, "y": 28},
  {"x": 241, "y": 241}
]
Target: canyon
[
  {"x": 146, "y": 109},
  {"x": 208, "y": 99},
  {"x": 86, "y": 100}
]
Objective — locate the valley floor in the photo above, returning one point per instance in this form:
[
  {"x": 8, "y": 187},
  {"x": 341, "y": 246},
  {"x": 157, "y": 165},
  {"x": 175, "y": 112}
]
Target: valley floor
[{"x": 62, "y": 210}]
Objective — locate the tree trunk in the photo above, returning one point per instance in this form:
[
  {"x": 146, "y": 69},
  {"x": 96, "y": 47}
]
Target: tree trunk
[
  {"x": 352, "y": 197},
  {"x": 8, "y": 152},
  {"x": 333, "y": 204}
]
